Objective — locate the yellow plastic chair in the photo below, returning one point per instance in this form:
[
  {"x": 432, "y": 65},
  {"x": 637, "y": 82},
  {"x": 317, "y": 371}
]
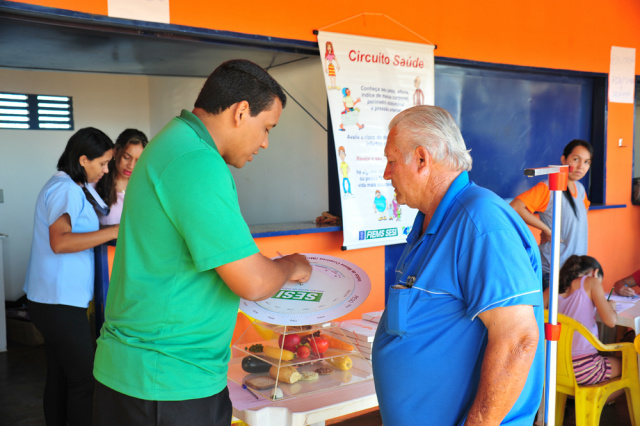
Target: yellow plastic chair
[{"x": 589, "y": 399}]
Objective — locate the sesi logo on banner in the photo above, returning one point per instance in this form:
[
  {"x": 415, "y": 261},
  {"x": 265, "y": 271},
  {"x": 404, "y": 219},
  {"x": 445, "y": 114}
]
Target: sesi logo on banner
[
  {"x": 378, "y": 233},
  {"x": 369, "y": 81}
]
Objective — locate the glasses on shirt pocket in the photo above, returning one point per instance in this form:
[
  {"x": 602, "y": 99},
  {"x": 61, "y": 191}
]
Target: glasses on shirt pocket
[{"x": 398, "y": 302}]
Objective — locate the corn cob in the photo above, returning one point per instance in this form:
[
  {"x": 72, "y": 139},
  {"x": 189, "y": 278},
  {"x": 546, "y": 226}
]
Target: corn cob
[
  {"x": 277, "y": 353},
  {"x": 343, "y": 363}
]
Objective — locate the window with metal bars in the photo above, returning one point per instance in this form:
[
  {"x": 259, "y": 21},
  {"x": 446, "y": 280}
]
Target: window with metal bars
[{"x": 35, "y": 112}]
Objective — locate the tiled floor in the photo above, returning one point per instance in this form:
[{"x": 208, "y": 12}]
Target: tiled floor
[
  {"x": 22, "y": 374},
  {"x": 612, "y": 415},
  {"x": 23, "y": 369}
]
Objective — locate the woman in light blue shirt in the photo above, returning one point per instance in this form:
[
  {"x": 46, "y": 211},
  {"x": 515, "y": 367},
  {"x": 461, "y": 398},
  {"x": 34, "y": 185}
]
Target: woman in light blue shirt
[{"x": 60, "y": 274}]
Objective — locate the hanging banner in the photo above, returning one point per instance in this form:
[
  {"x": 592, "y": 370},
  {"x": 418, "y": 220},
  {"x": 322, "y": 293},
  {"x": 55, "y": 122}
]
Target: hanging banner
[{"x": 369, "y": 81}]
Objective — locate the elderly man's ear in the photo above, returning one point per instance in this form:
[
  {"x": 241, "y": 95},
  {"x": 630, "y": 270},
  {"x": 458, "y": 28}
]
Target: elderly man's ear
[{"x": 423, "y": 159}]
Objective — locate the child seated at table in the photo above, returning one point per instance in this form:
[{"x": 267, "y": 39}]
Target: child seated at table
[{"x": 580, "y": 295}]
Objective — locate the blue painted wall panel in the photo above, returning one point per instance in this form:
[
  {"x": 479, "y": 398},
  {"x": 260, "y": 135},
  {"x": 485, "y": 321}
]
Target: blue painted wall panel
[{"x": 510, "y": 121}]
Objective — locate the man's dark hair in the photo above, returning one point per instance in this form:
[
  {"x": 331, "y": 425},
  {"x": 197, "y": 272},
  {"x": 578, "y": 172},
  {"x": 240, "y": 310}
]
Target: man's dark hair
[
  {"x": 239, "y": 80},
  {"x": 88, "y": 141}
]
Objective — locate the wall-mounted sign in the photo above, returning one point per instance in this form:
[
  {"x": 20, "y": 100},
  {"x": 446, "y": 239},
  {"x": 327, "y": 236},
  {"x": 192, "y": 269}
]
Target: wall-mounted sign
[
  {"x": 140, "y": 10},
  {"x": 622, "y": 77}
]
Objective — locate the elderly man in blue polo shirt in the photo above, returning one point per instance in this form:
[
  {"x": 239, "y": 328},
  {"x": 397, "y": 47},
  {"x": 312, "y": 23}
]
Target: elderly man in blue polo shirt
[{"x": 460, "y": 341}]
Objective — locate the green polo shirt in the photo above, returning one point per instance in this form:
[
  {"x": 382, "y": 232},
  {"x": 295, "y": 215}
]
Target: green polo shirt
[{"x": 169, "y": 317}]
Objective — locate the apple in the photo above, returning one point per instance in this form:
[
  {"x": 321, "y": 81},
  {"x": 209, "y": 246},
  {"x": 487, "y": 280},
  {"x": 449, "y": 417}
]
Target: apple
[{"x": 289, "y": 342}]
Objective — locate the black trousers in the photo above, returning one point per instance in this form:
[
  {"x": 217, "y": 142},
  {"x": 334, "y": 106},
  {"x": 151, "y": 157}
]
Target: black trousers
[
  {"x": 114, "y": 408},
  {"x": 68, "y": 392}
]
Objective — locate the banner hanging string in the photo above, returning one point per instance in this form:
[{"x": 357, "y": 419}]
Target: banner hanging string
[{"x": 365, "y": 14}]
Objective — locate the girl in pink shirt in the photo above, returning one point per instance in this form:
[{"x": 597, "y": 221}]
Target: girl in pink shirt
[
  {"x": 580, "y": 296},
  {"x": 113, "y": 185}
]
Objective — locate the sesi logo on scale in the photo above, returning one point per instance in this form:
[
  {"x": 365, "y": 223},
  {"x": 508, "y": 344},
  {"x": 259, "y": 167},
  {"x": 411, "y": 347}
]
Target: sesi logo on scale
[{"x": 298, "y": 295}]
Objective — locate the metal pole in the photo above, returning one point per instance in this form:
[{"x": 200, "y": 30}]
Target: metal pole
[
  {"x": 552, "y": 345},
  {"x": 557, "y": 184}
]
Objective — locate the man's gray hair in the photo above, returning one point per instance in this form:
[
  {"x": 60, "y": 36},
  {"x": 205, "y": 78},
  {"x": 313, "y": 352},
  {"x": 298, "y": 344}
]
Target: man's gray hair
[{"x": 435, "y": 129}]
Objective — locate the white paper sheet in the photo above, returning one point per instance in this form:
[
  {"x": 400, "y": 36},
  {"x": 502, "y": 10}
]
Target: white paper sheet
[
  {"x": 140, "y": 10},
  {"x": 622, "y": 80}
]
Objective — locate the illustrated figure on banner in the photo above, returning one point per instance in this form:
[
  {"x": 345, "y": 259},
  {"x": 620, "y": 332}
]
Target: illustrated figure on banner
[
  {"x": 380, "y": 205},
  {"x": 330, "y": 58},
  {"x": 349, "y": 116},
  {"x": 396, "y": 211},
  {"x": 344, "y": 169},
  {"x": 418, "y": 95}
]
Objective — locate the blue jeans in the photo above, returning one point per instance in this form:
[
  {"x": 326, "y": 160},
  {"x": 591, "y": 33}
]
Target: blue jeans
[{"x": 346, "y": 185}]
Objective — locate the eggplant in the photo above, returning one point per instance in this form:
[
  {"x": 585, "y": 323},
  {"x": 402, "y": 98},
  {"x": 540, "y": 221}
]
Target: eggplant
[{"x": 252, "y": 364}]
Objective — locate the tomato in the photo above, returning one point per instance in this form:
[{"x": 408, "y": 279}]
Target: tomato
[
  {"x": 289, "y": 342},
  {"x": 319, "y": 345},
  {"x": 303, "y": 351}
]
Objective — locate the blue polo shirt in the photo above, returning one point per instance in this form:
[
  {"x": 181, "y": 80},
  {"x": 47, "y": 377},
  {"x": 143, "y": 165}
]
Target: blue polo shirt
[{"x": 476, "y": 254}]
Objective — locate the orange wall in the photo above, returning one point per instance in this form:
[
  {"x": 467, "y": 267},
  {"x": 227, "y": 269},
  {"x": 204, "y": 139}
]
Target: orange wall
[
  {"x": 572, "y": 34},
  {"x": 95, "y": 7}
]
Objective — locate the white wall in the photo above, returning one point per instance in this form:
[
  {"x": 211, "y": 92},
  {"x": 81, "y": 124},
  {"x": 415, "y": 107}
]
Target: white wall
[
  {"x": 170, "y": 95},
  {"x": 28, "y": 158},
  {"x": 287, "y": 182}
]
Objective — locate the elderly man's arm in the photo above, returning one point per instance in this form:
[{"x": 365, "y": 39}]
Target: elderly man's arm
[{"x": 512, "y": 343}]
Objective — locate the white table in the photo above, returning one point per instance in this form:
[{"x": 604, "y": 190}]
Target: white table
[
  {"x": 630, "y": 317},
  {"x": 310, "y": 409}
]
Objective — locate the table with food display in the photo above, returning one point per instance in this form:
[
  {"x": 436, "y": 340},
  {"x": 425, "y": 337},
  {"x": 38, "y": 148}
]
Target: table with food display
[{"x": 294, "y": 365}]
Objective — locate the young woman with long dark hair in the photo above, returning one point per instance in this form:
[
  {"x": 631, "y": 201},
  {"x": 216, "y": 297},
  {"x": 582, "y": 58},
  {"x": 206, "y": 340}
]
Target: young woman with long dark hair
[{"x": 60, "y": 275}]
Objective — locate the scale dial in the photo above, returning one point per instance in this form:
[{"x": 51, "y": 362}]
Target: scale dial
[{"x": 335, "y": 288}]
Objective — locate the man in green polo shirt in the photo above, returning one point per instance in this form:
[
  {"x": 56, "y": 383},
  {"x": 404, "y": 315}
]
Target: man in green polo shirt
[{"x": 185, "y": 256}]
